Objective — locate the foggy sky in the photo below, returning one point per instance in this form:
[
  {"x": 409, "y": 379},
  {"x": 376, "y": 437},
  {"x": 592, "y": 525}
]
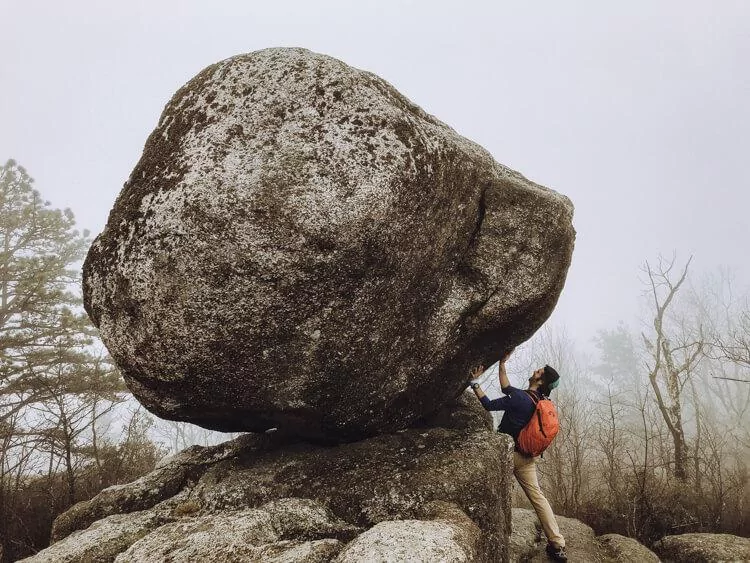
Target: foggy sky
[{"x": 637, "y": 111}]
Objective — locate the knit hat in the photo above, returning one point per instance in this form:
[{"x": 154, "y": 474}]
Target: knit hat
[{"x": 550, "y": 377}]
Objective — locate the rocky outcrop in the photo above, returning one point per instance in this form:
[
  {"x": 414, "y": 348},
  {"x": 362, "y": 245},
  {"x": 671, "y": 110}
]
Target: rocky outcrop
[
  {"x": 169, "y": 477},
  {"x": 301, "y": 247},
  {"x": 286, "y": 530},
  {"x": 104, "y": 539},
  {"x": 432, "y": 492},
  {"x": 527, "y": 542},
  {"x": 703, "y": 548}
]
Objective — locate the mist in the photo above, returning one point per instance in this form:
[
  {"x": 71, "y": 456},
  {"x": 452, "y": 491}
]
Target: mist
[{"x": 636, "y": 112}]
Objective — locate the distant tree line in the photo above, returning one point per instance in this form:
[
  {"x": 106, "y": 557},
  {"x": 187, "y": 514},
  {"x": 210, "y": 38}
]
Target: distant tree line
[{"x": 655, "y": 429}]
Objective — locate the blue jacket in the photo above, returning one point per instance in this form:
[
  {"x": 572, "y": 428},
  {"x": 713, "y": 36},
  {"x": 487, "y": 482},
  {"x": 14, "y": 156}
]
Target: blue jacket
[{"x": 518, "y": 407}]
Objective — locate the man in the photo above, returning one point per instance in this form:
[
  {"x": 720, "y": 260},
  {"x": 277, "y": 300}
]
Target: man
[{"x": 519, "y": 408}]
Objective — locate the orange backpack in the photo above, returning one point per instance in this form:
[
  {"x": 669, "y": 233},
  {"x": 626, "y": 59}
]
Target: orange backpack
[{"x": 539, "y": 432}]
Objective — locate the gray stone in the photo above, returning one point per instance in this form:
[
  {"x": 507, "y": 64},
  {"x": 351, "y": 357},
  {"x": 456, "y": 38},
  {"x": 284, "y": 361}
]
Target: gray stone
[
  {"x": 623, "y": 548},
  {"x": 411, "y": 540},
  {"x": 247, "y": 535},
  {"x": 103, "y": 540},
  {"x": 703, "y": 548},
  {"x": 580, "y": 543},
  {"x": 221, "y": 536},
  {"x": 389, "y": 477},
  {"x": 295, "y": 518},
  {"x": 287, "y": 529},
  {"x": 317, "y": 551},
  {"x": 527, "y": 542},
  {"x": 165, "y": 481},
  {"x": 526, "y": 538},
  {"x": 301, "y": 247},
  {"x": 293, "y": 494}
]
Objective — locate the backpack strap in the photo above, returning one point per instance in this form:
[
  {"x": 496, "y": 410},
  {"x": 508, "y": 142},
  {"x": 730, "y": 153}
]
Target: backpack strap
[{"x": 536, "y": 411}]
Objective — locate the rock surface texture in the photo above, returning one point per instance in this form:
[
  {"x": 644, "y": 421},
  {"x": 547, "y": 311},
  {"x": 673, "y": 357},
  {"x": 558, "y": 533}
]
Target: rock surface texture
[
  {"x": 438, "y": 492},
  {"x": 302, "y": 247},
  {"x": 527, "y": 542},
  {"x": 703, "y": 548}
]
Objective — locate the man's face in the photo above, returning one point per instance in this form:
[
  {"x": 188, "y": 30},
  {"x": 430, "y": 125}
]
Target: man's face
[{"x": 537, "y": 376}]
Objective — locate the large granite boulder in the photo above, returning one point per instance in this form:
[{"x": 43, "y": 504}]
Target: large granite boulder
[
  {"x": 445, "y": 483},
  {"x": 703, "y": 548},
  {"x": 302, "y": 247}
]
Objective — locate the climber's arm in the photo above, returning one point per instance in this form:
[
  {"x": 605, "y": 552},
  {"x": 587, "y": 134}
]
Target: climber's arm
[
  {"x": 504, "y": 381},
  {"x": 492, "y": 404},
  {"x": 474, "y": 374}
]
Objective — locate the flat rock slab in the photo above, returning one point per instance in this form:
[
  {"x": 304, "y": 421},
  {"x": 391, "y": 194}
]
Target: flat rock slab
[
  {"x": 301, "y": 247},
  {"x": 289, "y": 529}
]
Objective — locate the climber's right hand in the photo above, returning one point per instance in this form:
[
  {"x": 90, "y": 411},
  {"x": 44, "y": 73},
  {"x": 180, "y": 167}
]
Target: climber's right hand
[
  {"x": 506, "y": 356},
  {"x": 477, "y": 372}
]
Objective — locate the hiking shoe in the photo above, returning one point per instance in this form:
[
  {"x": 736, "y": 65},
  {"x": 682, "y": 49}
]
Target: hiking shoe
[{"x": 556, "y": 553}]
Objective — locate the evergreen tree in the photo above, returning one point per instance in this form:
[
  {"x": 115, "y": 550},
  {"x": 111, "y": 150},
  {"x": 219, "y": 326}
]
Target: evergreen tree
[
  {"x": 55, "y": 386},
  {"x": 41, "y": 321}
]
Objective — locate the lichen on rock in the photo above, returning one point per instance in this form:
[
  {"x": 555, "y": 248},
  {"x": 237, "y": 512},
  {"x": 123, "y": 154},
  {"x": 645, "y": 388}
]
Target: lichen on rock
[{"x": 301, "y": 247}]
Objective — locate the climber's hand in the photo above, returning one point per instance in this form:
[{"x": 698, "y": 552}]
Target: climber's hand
[
  {"x": 506, "y": 356},
  {"x": 476, "y": 372}
]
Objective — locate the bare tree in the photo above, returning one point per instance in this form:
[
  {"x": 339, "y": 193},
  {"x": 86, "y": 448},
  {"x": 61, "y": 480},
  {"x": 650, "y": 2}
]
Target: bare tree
[
  {"x": 735, "y": 347},
  {"x": 676, "y": 348}
]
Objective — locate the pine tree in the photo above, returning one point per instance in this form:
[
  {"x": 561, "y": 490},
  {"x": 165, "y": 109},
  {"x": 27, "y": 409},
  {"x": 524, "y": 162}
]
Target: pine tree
[
  {"x": 40, "y": 312},
  {"x": 55, "y": 386}
]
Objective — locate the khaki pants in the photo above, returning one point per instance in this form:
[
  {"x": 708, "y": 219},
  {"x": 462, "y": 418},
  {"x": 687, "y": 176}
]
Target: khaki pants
[{"x": 524, "y": 468}]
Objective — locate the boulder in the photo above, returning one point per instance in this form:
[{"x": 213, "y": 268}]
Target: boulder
[
  {"x": 289, "y": 529},
  {"x": 246, "y": 535},
  {"x": 264, "y": 496},
  {"x": 526, "y": 535},
  {"x": 527, "y": 542},
  {"x": 450, "y": 540},
  {"x": 103, "y": 540},
  {"x": 703, "y": 548},
  {"x": 623, "y": 548},
  {"x": 301, "y": 247}
]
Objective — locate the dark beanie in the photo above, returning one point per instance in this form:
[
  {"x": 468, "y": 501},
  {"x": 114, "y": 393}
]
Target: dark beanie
[{"x": 550, "y": 377}]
